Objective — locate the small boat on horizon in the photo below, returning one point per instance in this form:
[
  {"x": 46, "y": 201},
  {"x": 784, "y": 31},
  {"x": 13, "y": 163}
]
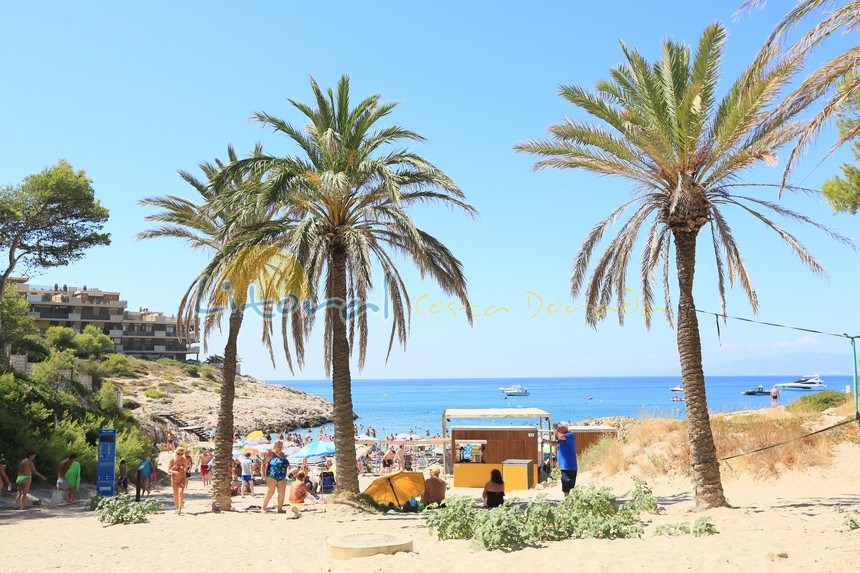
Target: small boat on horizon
[
  {"x": 811, "y": 382},
  {"x": 760, "y": 391},
  {"x": 678, "y": 399},
  {"x": 515, "y": 390},
  {"x": 676, "y": 389}
]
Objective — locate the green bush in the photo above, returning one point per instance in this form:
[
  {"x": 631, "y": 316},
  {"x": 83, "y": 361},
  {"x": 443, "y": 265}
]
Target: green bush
[
  {"x": 50, "y": 371},
  {"x": 153, "y": 393},
  {"x": 502, "y": 527},
  {"x": 118, "y": 365},
  {"x": 123, "y": 509},
  {"x": 190, "y": 370},
  {"x": 92, "y": 342},
  {"x": 851, "y": 522},
  {"x": 129, "y": 404},
  {"x": 209, "y": 372},
  {"x": 457, "y": 520},
  {"x": 60, "y": 338},
  {"x": 819, "y": 401},
  {"x": 169, "y": 362},
  {"x": 107, "y": 398},
  {"x": 703, "y": 526},
  {"x": 94, "y": 367},
  {"x": 673, "y": 529},
  {"x": 587, "y": 512}
]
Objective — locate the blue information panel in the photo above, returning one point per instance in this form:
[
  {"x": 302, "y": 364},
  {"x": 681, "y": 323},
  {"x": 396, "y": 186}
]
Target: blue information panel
[{"x": 105, "y": 472}]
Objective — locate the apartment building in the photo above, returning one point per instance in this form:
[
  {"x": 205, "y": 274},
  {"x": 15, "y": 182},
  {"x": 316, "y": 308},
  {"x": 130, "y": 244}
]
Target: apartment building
[{"x": 143, "y": 333}]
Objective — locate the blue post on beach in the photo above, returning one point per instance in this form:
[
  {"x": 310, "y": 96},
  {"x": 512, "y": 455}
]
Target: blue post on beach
[{"x": 106, "y": 468}]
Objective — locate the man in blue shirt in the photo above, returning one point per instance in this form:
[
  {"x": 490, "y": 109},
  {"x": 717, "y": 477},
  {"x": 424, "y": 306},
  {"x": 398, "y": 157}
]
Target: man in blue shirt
[{"x": 566, "y": 443}]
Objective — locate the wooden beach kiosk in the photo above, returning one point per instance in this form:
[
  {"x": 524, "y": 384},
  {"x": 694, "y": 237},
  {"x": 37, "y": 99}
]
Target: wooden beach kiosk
[{"x": 513, "y": 450}]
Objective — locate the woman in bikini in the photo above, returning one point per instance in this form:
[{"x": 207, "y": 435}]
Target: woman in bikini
[
  {"x": 299, "y": 491},
  {"x": 26, "y": 469},
  {"x": 275, "y": 468},
  {"x": 176, "y": 468}
]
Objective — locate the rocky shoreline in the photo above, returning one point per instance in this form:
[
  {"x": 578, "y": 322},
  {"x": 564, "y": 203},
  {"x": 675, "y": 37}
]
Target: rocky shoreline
[{"x": 159, "y": 392}]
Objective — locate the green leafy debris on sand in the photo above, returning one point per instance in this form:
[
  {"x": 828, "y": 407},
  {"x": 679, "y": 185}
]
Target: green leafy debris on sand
[
  {"x": 587, "y": 512},
  {"x": 122, "y": 509},
  {"x": 701, "y": 527}
]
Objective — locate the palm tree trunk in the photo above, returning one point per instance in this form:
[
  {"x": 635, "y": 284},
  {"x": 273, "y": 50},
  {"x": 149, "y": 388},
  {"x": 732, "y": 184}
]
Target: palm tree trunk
[
  {"x": 344, "y": 417},
  {"x": 703, "y": 455},
  {"x": 223, "y": 470}
]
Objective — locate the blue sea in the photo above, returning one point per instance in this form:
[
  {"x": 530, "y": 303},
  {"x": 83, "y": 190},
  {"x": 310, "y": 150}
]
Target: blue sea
[{"x": 397, "y": 406}]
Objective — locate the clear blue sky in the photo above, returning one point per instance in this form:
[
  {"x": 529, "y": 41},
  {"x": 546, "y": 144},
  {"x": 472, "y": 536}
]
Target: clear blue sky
[{"x": 132, "y": 92}]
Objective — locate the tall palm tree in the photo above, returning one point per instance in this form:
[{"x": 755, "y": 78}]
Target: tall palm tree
[
  {"x": 347, "y": 195},
  {"x": 661, "y": 127},
  {"x": 835, "y": 82},
  {"x": 218, "y": 288}
]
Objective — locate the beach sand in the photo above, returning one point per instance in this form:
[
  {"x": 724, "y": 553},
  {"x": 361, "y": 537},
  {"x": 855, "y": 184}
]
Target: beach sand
[{"x": 790, "y": 523}]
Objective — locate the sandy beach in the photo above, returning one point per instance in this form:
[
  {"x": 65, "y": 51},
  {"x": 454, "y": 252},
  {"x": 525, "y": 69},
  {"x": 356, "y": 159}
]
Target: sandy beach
[{"x": 794, "y": 522}]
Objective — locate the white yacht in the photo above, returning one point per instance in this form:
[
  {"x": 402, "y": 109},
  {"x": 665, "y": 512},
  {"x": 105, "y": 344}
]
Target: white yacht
[
  {"x": 514, "y": 390},
  {"x": 812, "y": 382}
]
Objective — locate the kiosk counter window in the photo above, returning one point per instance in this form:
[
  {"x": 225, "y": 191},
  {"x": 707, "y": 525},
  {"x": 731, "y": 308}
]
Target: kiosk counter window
[{"x": 479, "y": 449}]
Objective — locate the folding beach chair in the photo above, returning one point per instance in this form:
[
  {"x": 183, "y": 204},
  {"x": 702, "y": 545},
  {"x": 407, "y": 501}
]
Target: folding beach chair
[{"x": 327, "y": 483}]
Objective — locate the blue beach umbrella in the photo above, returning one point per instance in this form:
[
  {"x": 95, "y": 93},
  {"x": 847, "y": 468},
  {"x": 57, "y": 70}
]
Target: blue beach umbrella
[{"x": 315, "y": 450}]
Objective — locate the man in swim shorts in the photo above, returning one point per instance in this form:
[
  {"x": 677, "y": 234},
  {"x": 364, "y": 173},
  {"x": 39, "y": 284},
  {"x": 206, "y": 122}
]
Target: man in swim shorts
[{"x": 26, "y": 469}]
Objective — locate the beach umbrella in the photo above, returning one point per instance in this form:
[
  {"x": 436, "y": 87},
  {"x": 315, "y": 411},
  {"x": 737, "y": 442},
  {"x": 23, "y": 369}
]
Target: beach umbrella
[
  {"x": 256, "y": 440},
  {"x": 396, "y": 487},
  {"x": 316, "y": 449},
  {"x": 361, "y": 451},
  {"x": 255, "y": 434},
  {"x": 365, "y": 438}
]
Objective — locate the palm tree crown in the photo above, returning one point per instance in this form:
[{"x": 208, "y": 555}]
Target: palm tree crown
[{"x": 684, "y": 150}]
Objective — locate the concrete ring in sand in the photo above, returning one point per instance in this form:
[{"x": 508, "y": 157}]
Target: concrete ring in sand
[{"x": 364, "y": 544}]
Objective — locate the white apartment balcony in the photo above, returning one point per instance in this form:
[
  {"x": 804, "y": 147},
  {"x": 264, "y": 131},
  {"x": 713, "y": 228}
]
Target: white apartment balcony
[
  {"x": 115, "y": 333},
  {"x": 158, "y": 348},
  {"x": 117, "y": 347},
  {"x": 34, "y": 298},
  {"x": 117, "y": 303},
  {"x": 192, "y": 349},
  {"x": 75, "y": 316},
  {"x": 116, "y": 318}
]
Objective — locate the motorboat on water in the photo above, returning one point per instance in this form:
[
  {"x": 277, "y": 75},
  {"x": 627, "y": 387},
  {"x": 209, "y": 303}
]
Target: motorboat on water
[
  {"x": 812, "y": 382},
  {"x": 678, "y": 399},
  {"x": 760, "y": 391},
  {"x": 514, "y": 390},
  {"x": 676, "y": 389}
]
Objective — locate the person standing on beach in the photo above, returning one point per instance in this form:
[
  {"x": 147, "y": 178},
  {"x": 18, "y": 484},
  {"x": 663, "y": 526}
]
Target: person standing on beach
[
  {"x": 205, "y": 458},
  {"x": 190, "y": 461},
  {"x": 774, "y": 397},
  {"x": 247, "y": 474},
  {"x": 122, "y": 482},
  {"x": 177, "y": 467},
  {"x": 143, "y": 470},
  {"x": 26, "y": 469},
  {"x": 73, "y": 477},
  {"x": 275, "y": 468},
  {"x": 566, "y": 444},
  {"x": 62, "y": 468}
]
